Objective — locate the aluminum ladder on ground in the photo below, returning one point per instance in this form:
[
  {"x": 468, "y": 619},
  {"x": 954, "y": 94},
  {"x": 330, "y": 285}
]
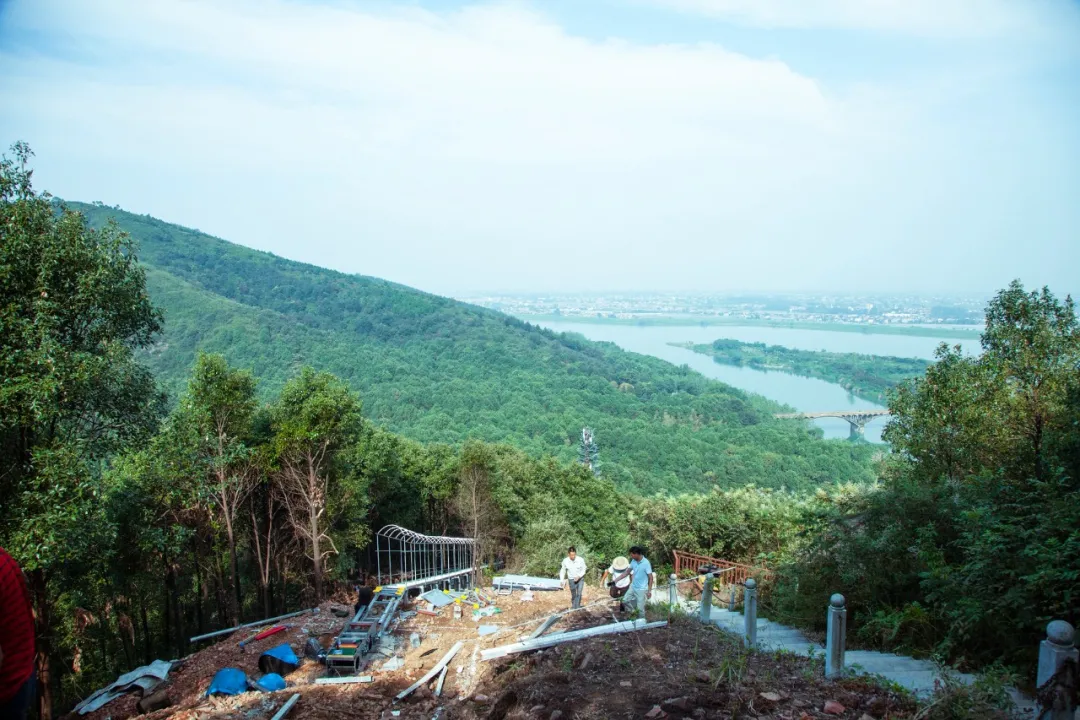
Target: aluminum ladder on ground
[{"x": 361, "y": 634}]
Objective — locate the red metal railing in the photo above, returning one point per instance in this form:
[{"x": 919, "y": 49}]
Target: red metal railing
[{"x": 737, "y": 573}]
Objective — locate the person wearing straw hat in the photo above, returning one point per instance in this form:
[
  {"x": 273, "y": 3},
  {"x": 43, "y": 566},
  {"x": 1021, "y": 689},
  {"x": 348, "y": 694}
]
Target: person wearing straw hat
[{"x": 617, "y": 588}]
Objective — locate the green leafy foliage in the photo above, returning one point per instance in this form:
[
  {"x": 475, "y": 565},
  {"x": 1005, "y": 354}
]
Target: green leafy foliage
[
  {"x": 441, "y": 371},
  {"x": 977, "y": 517},
  {"x": 73, "y": 311}
]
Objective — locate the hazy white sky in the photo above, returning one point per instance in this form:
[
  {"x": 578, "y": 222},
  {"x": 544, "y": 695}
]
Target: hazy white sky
[{"x": 901, "y": 145}]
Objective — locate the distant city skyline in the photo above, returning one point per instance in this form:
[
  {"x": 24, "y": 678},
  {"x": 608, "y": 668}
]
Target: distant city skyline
[{"x": 569, "y": 145}]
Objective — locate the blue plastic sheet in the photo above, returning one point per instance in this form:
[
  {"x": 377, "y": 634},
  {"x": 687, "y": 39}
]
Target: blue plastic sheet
[
  {"x": 270, "y": 682},
  {"x": 283, "y": 653},
  {"x": 228, "y": 681}
]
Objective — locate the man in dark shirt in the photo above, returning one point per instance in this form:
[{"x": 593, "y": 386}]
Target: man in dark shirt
[{"x": 16, "y": 641}]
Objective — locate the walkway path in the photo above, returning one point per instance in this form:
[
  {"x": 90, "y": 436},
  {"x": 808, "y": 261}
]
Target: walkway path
[{"x": 918, "y": 676}]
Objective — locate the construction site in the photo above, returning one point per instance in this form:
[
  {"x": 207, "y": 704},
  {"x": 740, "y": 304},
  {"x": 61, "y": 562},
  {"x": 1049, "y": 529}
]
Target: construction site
[{"x": 437, "y": 637}]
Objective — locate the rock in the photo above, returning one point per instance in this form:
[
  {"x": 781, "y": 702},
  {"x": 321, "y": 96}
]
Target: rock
[
  {"x": 877, "y": 706},
  {"x": 864, "y": 716},
  {"x": 585, "y": 661},
  {"x": 480, "y": 698},
  {"x": 557, "y": 715},
  {"x": 656, "y": 712},
  {"x": 157, "y": 701},
  {"x": 834, "y": 708},
  {"x": 625, "y": 683},
  {"x": 770, "y": 696},
  {"x": 681, "y": 704},
  {"x": 702, "y": 676},
  {"x": 536, "y": 710},
  {"x": 699, "y": 713}
]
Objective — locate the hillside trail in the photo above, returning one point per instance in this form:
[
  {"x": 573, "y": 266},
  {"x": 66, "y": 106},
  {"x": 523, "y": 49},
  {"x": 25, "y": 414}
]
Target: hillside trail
[{"x": 917, "y": 676}]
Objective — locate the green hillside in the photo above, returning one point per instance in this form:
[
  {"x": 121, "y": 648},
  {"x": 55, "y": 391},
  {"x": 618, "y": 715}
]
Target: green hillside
[{"x": 436, "y": 369}]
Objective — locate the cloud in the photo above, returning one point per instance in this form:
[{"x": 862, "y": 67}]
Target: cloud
[
  {"x": 485, "y": 146},
  {"x": 931, "y": 18}
]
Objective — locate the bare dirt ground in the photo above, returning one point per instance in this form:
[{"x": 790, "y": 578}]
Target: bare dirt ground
[{"x": 683, "y": 670}]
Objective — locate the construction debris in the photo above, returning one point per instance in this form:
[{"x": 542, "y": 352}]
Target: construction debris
[
  {"x": 433, "y": 672},
  {"x": 345, "y": 680},
  {"x": 526, "y": 582},
  {"x": 545, "y": 626},
  {"x": 145, "y": 678},
  {"x": 539, "y": 643},
  {"x": 286, "y": 707},
  {"x": 257, "y": 623}
]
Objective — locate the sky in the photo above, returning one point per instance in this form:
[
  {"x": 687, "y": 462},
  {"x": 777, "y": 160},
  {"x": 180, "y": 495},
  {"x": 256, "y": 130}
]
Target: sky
[{"x": 922, "y": 146}]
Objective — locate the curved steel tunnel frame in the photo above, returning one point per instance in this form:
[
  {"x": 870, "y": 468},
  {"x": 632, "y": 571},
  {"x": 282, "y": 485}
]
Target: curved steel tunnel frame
[{"x": 409, "y": 556}]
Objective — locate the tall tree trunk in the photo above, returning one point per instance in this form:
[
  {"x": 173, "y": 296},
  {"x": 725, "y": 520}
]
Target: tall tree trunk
[
  {"x": 42, "y": 659},
  {"x": 316, "y": 556},
  {"x": 166, "y": 634},
  {"x": 200, "y": 589},
  {"x": 222, "y": 593},
  {"x": 147, "y": 656},
  {"x": 235, "y": 599},
  {"x": 178, "y": 618}
]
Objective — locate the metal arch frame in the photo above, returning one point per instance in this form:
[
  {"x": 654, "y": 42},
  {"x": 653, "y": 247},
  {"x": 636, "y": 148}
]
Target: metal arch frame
[{"x": 417, "y": 557}]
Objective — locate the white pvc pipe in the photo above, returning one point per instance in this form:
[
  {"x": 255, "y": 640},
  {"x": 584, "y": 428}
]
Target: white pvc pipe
[
  {"x": 251, "y": 624},
  {"x": 550, "y": 640},
  {"x": 286, "y": 707},
  {"x": 433, "y": 671}
]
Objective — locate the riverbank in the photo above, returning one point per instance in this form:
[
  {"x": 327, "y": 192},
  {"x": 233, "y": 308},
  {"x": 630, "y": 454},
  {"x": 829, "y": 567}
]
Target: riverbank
[
  {"x": 868, "y": 377},
  {"x": 949, "y": 333}
]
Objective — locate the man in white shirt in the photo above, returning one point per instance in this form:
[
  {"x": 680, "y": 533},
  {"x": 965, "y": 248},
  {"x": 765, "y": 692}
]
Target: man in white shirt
[{"x": 573, "y": 569}]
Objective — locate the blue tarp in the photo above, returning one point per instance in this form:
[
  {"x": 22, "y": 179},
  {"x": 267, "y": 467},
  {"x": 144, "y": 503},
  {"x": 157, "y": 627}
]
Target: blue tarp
[
  {"x": 283, "y": 653},
  {"x": 270, "y": 682},
  {"x": 229, "y": 681}
]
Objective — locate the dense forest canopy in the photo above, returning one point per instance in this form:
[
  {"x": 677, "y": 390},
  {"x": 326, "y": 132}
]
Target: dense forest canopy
[{"x": 438, "y": 370}]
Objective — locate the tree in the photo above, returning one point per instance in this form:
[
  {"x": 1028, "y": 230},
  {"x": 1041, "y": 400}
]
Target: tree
[
  {"x": 73, "y": 311},
  {"x": 315, "y": 422},
  {"x": 217, "y": 410},
  {"x": 481, "y": 517},
  {"x": 978, "y": 513}
]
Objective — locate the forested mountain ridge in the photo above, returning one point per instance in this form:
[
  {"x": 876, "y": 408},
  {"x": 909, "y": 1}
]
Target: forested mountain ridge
[{"x": 436, "y": 369}]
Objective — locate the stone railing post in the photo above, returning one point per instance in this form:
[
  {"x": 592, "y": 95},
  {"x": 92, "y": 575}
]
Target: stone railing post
[
  {"x": 835, "y": 637},
  {"x": 750, "y": 611},
  {"x": 673, "y": 591},
  {"x": 1054, "y": 651},
  {"x": 731, "y": 600},
  {"x": 706, "y": 599}
]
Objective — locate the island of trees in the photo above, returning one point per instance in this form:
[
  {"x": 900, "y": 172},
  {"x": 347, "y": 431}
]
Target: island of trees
[{"x": 869, "y": 377}]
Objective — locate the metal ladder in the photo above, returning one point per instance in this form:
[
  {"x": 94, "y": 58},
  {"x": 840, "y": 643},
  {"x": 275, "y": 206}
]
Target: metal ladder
[{"x": 361, "y": 634}]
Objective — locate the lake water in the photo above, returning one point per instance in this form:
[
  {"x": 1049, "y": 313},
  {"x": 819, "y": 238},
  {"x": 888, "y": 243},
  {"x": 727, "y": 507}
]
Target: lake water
[{"x": 802, "y": 394}]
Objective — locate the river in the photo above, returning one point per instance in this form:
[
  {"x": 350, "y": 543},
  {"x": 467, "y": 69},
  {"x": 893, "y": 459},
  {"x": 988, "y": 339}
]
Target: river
[{"x": 803, "y": 394}]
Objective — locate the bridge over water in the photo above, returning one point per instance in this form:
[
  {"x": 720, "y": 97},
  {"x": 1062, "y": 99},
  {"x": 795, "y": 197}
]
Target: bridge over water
[{"x": 856, "y": 418}]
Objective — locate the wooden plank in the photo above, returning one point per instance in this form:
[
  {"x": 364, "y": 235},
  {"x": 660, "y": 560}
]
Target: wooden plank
[
  {"x": 550, "y": 640},
  {"x": 432, "y": 672}
]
